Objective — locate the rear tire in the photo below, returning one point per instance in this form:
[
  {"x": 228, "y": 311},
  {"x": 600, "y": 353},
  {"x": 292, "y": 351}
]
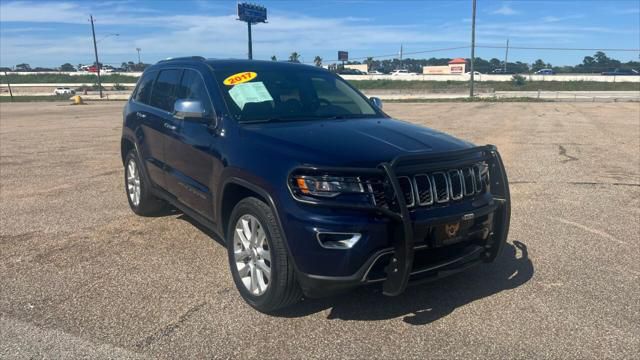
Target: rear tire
[
  {"x": 260, "y": 264},
  {"x": 141, "y": 199}
]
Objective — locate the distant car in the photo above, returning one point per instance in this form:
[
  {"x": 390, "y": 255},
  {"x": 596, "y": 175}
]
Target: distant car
[
  {"x": 621, "y": 72},
  {"x": 545, "y": 72},
  {"x": 348, "y": 71},
  {"x": 63, "y": 91},
  {"x": 375, "y": 72},
  {"x": 402, "y": 72},
  {"x": 474, "y": 73},
  {"x": 501, "y": 71}
]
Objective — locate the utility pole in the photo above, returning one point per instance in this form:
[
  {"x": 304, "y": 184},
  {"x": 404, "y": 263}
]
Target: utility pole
[
  {"x": 250, "y": 49},
  {"x": 401, "y": 65},
  {"x": 95, "y": 50},
  {"x": 506, "y": 56},
  {"x": 473, "y": 44},
  {"x": 8, "y": 85},
  {"x": 138, "y": 50}
]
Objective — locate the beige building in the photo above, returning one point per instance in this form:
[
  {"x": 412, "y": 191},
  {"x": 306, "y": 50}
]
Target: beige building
[
  {"x": 436, "y": 70},
  {"x": 362, "y": 67},
  {"x": 456, "y": 66}
]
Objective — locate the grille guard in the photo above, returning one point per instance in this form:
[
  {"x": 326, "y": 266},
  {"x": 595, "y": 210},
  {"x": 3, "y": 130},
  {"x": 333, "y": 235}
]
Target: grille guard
[{"x": 399, "y": 268}]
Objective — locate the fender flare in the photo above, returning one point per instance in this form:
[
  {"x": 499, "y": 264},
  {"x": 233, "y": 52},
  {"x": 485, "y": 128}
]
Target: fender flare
[{"x": 262, "y": 192}]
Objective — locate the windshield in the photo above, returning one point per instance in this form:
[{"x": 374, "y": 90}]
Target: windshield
[{"x": 290, "y": 94}]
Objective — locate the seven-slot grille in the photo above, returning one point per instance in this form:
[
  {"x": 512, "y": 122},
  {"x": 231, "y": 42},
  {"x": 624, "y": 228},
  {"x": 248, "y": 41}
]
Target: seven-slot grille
[{"x": 439, "y": 187}]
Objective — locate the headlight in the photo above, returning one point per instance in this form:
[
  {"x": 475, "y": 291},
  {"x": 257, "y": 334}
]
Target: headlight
[{"x": 326, "y": 185}]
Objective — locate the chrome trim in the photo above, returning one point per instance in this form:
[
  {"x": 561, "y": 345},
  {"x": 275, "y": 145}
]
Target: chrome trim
[
  {"x": 477, "y": 178},
  {"x": 351, "y": 242},
  {"x": 435, "y": 186},
  {"x": 413, "y": 197},
  {"x": 460, "y": 180},
  {"x": 417, "y": 189},
  {"x": 472, "y": 186}
]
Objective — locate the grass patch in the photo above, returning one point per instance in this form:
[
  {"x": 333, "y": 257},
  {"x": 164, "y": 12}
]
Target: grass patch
[
  {"x": 496, "y": 85},
  {"x": 66, "y": 78}
]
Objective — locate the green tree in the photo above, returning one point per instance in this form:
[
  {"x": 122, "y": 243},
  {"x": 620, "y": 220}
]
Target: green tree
[
  {"x": 67, "y": 67},
  {"x": 495, "y": 63},
  {"x": 318, "y": 61},
  {"x": 294, "y": 57},
  {"x": 369, "y": 63},
  {"x": 539, "y": 65},
  {"x": 23, "y": 67}
]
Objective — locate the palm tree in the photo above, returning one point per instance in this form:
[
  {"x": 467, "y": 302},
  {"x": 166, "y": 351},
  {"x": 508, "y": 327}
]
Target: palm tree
[
  {"x": 294, "y": 57},
  {"x": 318, "y": 61},
  {"x": 273, "y": 58},
  {"x": 369, "y": 62}
]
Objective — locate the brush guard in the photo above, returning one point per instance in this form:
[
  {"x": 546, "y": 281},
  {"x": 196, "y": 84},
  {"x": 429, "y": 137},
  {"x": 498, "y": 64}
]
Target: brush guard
[{"x": 401, "y": 263}]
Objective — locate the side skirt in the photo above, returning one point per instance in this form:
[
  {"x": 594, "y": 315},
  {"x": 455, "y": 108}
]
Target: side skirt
[{"x": 208, "y": 224}]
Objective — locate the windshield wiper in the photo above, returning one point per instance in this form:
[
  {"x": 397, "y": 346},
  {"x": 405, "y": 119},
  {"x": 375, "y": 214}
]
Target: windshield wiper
[{"x": 265, "y": 120}]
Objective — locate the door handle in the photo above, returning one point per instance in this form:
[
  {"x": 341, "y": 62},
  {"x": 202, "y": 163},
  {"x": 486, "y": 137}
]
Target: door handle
[
  {"x": 141, "y": 115},
  {"x": 169, "y": 126}
]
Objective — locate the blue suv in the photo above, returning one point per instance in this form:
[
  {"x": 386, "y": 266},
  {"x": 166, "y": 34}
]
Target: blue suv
[{"x": 313, "y": 187}]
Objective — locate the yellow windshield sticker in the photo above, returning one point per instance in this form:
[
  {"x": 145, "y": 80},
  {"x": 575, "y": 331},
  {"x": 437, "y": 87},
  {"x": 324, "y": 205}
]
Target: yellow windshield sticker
[{"x": 240, "y": 78}]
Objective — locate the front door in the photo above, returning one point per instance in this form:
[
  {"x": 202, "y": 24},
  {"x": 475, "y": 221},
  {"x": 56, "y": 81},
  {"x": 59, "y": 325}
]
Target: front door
[{"x": 190, "y": 150}]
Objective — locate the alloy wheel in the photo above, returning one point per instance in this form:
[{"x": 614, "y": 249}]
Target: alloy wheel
[{"x": 252, "y": 254}]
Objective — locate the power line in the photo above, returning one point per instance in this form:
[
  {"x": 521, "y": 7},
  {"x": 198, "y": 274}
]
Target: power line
[{"x": 406, "y": 53}]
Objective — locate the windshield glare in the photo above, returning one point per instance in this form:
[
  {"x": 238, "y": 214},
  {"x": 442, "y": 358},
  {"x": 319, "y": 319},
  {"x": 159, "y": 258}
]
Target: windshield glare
[{"x": 290, "y": 94}]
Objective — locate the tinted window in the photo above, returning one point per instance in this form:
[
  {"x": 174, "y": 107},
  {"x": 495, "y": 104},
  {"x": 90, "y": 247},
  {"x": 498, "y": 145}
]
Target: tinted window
[
  {"x": 192, "y": 88},
  {"x": 144, "y": 87},
  {"x": 163, "y": 95}
]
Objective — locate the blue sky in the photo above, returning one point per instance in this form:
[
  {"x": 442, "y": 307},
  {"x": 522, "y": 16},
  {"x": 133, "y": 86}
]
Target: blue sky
[{"x": 49, "y": 33}]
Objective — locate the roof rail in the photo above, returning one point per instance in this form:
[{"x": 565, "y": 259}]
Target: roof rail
[{"x": 195, "y": 58}]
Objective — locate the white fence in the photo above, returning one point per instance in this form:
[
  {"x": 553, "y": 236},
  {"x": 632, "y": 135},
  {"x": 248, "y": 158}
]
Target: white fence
[{"x": 492, "y": 77}]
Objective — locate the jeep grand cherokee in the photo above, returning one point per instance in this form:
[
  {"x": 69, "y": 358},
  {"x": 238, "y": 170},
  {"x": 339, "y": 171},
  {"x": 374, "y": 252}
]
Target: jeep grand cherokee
[{"x": 313, "y": 187}]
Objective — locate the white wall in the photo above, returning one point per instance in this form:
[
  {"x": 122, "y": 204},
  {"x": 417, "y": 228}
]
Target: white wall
[{"x": 491, "y": 77}]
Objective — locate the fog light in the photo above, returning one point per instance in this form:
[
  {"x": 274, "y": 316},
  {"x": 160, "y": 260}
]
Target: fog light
[{"x": 334, "y": 240}]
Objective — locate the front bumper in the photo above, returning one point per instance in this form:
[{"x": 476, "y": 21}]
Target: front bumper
[{"x": 402, "y": 227}]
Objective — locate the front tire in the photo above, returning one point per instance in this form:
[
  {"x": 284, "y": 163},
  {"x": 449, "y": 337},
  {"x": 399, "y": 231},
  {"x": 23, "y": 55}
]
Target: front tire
[
  {"x": 138, "y": 190},
  {"x": 260, "y": 265}
]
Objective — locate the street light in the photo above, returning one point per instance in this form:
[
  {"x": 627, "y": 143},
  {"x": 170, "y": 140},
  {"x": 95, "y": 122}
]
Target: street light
[{"x": 138, "y": 50}]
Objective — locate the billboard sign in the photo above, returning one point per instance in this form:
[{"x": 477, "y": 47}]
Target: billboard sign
[
  {"x": 343, "y": 56},
  {"x": 252, "y": 13}
]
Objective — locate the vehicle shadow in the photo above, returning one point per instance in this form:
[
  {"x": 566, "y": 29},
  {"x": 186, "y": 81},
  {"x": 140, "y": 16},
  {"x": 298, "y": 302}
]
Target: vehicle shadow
[
  {"x": 423, "y": 304},
  {"x": 205, "y": 230}
]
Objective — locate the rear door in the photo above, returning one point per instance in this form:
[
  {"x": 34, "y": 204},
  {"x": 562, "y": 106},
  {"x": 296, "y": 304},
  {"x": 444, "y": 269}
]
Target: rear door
[
  {"x": 190, "y": 150},
  {"x": 161, "y": 102},
  {"x": 149, "y": 133}
]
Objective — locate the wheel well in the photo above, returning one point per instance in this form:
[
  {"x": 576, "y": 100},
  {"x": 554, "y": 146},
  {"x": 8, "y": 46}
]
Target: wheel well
[
  {"x": 125, "y": 146},
  {"x": 232, "y": 195}
]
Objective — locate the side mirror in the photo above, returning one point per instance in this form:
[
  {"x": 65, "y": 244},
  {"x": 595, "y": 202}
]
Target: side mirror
[
  {"x": 377, "y": 102},
  {"x": 188, "y": 109}
]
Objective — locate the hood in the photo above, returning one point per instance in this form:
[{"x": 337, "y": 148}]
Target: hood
[{"x": 352, "y": 142}]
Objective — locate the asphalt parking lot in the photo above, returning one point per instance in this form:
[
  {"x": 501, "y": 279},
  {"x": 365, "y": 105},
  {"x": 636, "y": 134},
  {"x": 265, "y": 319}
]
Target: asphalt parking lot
[{"x": 82, "y": 276}]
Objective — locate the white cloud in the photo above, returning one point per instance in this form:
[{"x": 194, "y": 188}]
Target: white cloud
[
  {"x": 552, "y": 19},
  {"x": 506, "y": 10}
]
